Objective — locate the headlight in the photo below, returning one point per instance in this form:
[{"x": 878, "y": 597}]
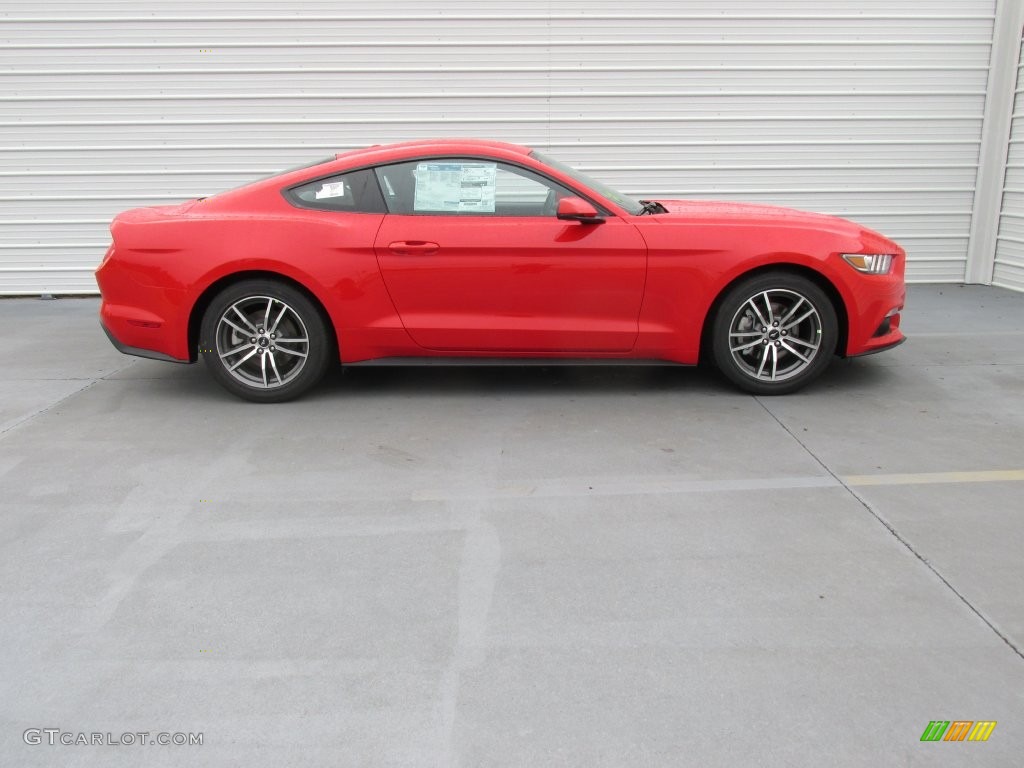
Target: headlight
[{"x": 870, "y": 263}]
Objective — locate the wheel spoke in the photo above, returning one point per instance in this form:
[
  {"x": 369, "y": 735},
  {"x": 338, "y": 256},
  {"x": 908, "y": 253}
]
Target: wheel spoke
[
  {"x": 748, "y": 345},
  {"x": 800, "y": 319},
  {"x": 238, "y": 328},
  {"x": 244, "y": 318},
  {"x": 234, "y": 351},
  {"x": 277, "y": 321},
  {"x": 290, "y": 351},
  {"x": 757, "y": 312},
  {"x": 764, "y": 361},
  {"x": 744, "y": 334},
  {"x": 775, "y": 361},
  {"x": 792, "y": 311},
  {"x": 292, "y": 341},
  {"x": 251, "y": 353},
  {"x": 263, "y": 369},
  {"x": 273, "y": 364},
  {"x": 785, "y": 345},
  {"x": 798, "y": 340},
  {"x": 768, "y": 304},
  {"x": 266, "y": 315}
]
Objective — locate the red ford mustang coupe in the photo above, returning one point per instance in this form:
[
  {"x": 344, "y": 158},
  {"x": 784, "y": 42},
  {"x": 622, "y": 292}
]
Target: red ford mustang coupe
[{"x": 484, "y": 252}]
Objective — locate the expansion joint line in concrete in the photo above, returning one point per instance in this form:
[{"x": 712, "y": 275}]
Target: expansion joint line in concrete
[
  {"x": 89, "y": 383},
  {"x": 892, "y": 530}
]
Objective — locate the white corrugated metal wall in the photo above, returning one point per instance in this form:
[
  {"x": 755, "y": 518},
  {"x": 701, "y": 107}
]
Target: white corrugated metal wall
[
  {"x": 1009, "y": 261},
  {"x": 863, "y": 108}
]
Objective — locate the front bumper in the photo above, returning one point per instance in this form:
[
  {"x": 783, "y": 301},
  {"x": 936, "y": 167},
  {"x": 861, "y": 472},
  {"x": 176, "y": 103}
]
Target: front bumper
[
  {"x": 874, "y": 313},
  {"x": 882, "y": 348}
]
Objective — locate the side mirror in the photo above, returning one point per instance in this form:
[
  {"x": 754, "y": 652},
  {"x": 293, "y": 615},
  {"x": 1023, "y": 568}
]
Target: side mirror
[{"x": 578, "y": 209}]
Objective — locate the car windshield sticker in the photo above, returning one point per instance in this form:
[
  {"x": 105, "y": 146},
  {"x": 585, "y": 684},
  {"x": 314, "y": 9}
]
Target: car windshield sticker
[
  {"x": 331, "y": 189},
  {"x": 455, "y": 187}
]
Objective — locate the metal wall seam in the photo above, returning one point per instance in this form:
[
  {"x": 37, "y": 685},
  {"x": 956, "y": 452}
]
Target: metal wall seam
[{"x": 1008, "y": 264}]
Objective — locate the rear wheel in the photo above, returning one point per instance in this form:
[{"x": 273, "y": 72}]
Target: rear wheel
[
  {"x": 264, "y": 341},
  {"x": 774, "y": 333}
]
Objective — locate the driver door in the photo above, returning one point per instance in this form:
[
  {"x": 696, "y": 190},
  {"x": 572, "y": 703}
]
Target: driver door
[{"x": 476, "y": 261}]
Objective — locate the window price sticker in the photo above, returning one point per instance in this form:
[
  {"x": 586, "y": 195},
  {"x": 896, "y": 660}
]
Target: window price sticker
[{"x": 454, "y": 187}]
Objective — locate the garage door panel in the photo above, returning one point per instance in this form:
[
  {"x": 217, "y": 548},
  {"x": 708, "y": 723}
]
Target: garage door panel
[{"x": 853, "y": 107}]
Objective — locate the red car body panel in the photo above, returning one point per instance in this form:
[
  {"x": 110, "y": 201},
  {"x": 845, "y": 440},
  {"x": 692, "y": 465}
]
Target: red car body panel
[
  {"x": 631, "y": 287},
  {"x": 527, "y": 284}
]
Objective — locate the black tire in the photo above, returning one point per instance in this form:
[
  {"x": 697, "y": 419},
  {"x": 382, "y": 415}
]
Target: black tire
[
  {"x": 286, "y": 347},
  {"x": 774, "y": 333}
]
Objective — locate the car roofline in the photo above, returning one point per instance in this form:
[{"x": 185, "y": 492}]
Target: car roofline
[
  {"x": 434, "y": 145},
  {"x": 380, "y": 154},
  {"x": 414, "y": 152},
  {"x": 383, "y": 154}
]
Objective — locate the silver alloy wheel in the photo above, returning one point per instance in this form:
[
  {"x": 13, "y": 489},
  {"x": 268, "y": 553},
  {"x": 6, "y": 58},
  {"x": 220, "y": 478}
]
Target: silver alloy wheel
[
  {"x": 262, "y": 342},
  {"x": 775, "y": 335}
]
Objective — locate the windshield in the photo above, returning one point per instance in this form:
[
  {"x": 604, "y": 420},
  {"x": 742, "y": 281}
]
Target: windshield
[{"x": 624, "y": 201}]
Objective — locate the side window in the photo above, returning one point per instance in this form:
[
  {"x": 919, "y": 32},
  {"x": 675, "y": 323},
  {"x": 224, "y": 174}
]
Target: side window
[
  {"x": 467, "y": 187},
  {"x": 355, "y": 192}
]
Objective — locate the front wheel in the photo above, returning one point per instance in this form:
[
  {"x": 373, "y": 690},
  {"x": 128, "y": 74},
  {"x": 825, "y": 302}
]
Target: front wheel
[
  {"x": 774, "y": 333},
  {"x": 264, "y": 341}
]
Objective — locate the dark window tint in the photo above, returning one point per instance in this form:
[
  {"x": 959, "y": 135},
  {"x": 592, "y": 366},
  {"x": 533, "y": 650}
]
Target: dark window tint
[{"x": 355, "y": 192}]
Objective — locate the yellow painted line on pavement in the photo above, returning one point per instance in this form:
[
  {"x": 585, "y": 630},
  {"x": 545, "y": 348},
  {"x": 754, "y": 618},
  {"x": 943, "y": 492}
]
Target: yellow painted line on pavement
[
  {"x": 925, "y": 478},
  {"x": 669, "y": 484}
]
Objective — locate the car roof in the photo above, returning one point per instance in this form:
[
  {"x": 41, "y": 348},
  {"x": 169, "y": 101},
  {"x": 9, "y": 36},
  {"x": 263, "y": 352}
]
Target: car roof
[
  {"x": 382, "y": 154},
  {"x": 432, "y": 146}
]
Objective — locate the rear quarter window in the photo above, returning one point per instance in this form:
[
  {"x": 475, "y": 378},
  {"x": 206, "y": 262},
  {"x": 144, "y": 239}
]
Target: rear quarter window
[{"x": 353, "y": 192}]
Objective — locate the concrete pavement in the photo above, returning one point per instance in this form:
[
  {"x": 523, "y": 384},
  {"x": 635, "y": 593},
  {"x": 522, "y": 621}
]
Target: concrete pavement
[{"x": 533, "y": 567}]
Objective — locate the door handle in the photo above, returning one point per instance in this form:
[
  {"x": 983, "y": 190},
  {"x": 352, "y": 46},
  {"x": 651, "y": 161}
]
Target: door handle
[{"x": 413, "y": 247}]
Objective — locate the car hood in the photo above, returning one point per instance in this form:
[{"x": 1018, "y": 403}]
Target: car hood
[
  {"x": 772, "y": 215},
  {"x": 749, "y": 211}
]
